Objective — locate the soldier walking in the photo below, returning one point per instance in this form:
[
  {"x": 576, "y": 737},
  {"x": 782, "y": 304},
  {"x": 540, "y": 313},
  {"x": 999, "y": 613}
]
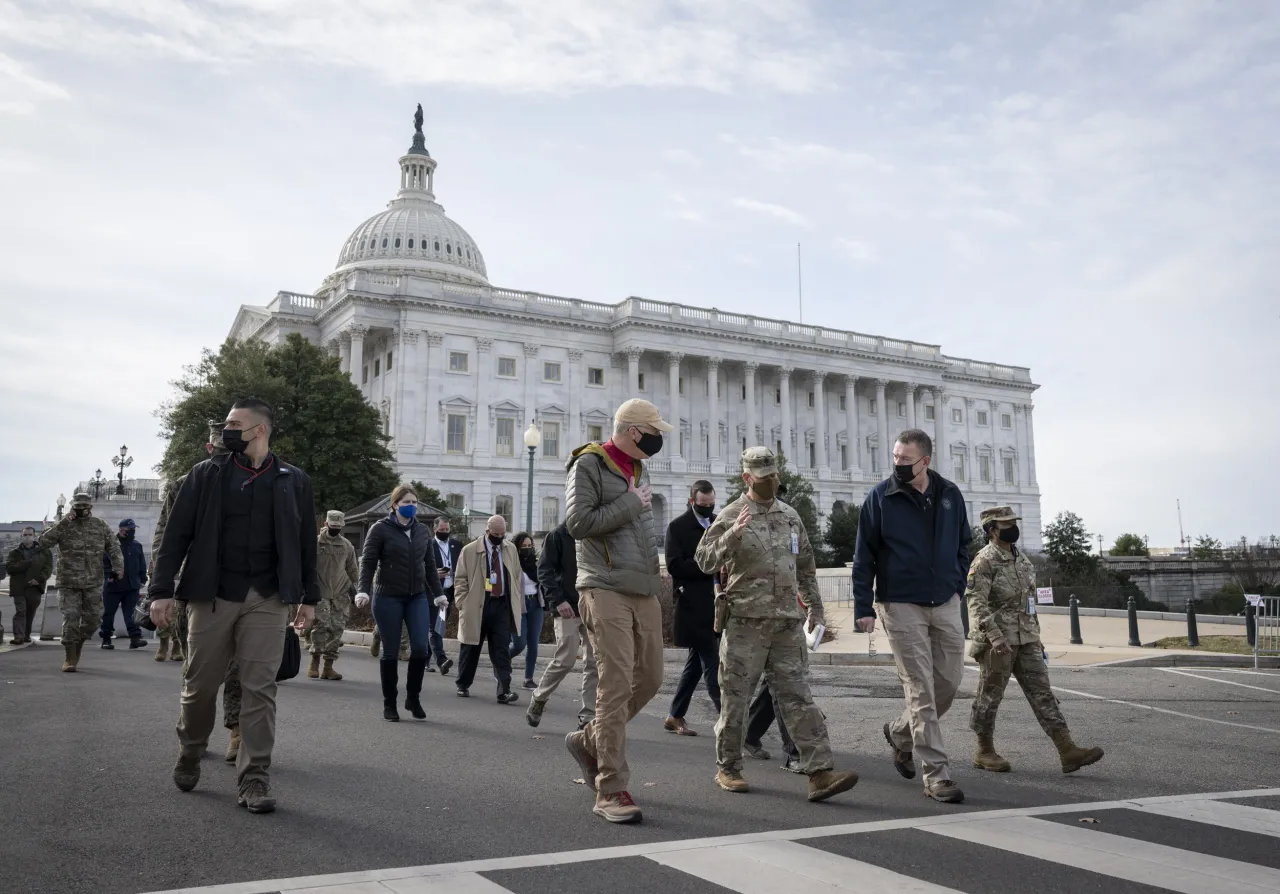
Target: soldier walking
[
  {"x": 1001, "y": 592},
  {"x": 29, "y": 566},
  {"x": 81, "y": 539},
  {"x": 765, "y": 551},
  {"x": 339, "y": 575}
]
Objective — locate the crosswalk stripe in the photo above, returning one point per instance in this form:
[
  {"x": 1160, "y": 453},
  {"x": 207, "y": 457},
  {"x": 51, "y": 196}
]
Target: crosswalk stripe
[
  {"x": 1233, "y": 816},
  {"x": 1189, "y": 872},
  {"x": 772, "y": 866},
  {"x": 462, "y": 883}
]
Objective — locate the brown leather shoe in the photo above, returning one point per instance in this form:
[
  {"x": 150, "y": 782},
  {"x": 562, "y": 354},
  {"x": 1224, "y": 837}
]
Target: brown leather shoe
[{"x": 678, "y": 726}]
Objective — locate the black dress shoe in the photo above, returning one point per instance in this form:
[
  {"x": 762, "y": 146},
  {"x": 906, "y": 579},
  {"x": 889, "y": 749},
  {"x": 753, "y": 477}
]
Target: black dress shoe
[
  {"x": 464, "y": 693},
  {"x": 108, "y": 644},
  {"x": 507, "y": 698},
  {"x": 446, "y": 666}
]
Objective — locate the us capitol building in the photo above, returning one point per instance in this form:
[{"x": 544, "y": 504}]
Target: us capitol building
[{"x": 459, "y": 368}]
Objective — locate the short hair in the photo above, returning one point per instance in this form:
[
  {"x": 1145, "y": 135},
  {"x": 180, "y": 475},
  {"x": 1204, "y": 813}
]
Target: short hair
[
  {"x": 701, "y": 486},
  {"x": 620, "y": 428},
  {"x": 445, "y": 519},
  {"x": 401, "y": 492},
  {"x": 28, "y": 528},
  {"x": 919, "y": 438},
  {"x": 255, "y": 405}
]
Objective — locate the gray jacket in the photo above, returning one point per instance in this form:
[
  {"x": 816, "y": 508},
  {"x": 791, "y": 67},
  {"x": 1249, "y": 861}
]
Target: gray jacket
[{"x": 616, "y": 544}]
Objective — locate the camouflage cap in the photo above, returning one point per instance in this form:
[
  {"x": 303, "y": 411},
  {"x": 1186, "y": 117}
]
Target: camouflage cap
[
  {"x": 759, "y": 461},
  {"x": 215, "y": 431},
  {"x": 335, "y": 518},
  {"x": 998, "y": 514},
  {"x": 82, "y": 499}
]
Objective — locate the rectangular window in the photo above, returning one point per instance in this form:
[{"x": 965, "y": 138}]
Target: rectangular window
[
  {"x": 982, "y": 417},
  {"x": 505, "y": 506},
  {"x": 1006, "y": 420},
  {"x": 550, "y": 513},
  {"x": 719, "y": 390},
  {"x": 777, "y": 395},
  {"x": 506, "y": 436},
  {"x": 507, "y": 367},
  {"x": 957, "y": 416},
  {"x": 595, "y": 377},
  {"x": 778, "y": 452},
  {"x": 456, "y": 502},
  {"x": 844, "y": 403},
  {"x": 875, "y": 461},
  {"x": 871, "y": 404},
  {"x": 957, "y": 465},
  {"x": 595, "y": 433},
  {"x": 930, "y": 413},
  {"x": 364, "y": 374},
  {"x": 551, "y": 372},
  {"x": 457, "y": 434},
  {"x": 682, "y": 384},
  {"x": 844, "y": 457},
  {"x": 744, "y": 392},
  {"x": 377, "y": 367},
  {"x": 641, "y": 381},
  {"x": 744, "y": 445},
  {"x": 810, "y": 398},
  {"x": 1008, "y": 470},
  {"x": 551, "y": 439},
  {"x": 389, "y": 353},
  {"x": 458, "y": 361},
  {"x": 902, "y": 410},
  {"x": 984, "y": 469},
  {"x": 813, "y": 454}
]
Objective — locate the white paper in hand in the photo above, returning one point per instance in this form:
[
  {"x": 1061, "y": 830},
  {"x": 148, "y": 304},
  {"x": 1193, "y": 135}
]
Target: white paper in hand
[{"x": 813, "y": 635}]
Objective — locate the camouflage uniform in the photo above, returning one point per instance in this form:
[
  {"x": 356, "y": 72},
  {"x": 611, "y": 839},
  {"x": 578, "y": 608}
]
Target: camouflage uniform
[
  {"x": 376, "y": 647},
  {"x": 175, "y": 633},
  {"x": 339, "y": 575},
  {"x": 81, "y": 542},
  {"x": 767, "y": 566}
]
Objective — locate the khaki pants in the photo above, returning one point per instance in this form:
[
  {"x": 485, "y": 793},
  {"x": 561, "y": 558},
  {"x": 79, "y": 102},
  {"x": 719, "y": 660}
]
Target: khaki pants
[
  {"x": 252, "y": 633},
  {"x": 626, "y": 634},
  {"x": 928, "y": 647},
  {"x": 570, "y": 634}
]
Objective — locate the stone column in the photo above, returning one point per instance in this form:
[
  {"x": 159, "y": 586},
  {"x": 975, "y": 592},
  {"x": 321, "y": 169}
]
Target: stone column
[
  {"x": 1019, "y": 472},
  {"x": 713, "y": 401},
  {"x": 1031, "y": 445},
  {"x": 820, "y": 424},
  {"x": 357, "y": 334},
  {"x": 851, "y": 424},
  {"x": 404, "y": 409},
  {"x": 673, "y": 387},
  {"x": 884, "y": 449},
  {"x": 532, "y": 376},
  {"x": 633, "y": 371},
  {"x": 941, "y": 447},
  {"x": 910, "y": 388},
  {"x": 784, "y": 383},
  {"x": 574, "y": 435},
  {"x": 749, "y": 371},
  {"x": 344, "y": 351},
  {"x": 482, "y": 449},
  {"x": 433, "y": 437},
  {"x": 970, "y": 454}
]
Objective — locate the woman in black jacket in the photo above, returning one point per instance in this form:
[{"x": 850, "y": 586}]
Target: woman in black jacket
[{"x": 399, "y": 551}]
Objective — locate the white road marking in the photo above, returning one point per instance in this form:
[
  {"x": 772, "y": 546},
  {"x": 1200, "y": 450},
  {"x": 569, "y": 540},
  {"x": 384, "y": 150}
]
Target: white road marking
[
  {"x": 1182, "y": 673},
  {"x": 1238, "y": 817},
  {"x": 1118, "y": 701}
]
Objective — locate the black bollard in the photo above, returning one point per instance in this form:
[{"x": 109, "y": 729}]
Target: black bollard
[
  {"x": 1133, "y": 623},
  {"x": 1076, "y": 639},
  {"x": 1193, "y": 635},
  {"x": 1250, "y": 624}
]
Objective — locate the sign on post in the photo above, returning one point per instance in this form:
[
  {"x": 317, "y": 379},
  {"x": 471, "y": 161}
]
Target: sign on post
[
  {"x": 1044, "y": 595},
  {"x": 1253, "y": 599}
]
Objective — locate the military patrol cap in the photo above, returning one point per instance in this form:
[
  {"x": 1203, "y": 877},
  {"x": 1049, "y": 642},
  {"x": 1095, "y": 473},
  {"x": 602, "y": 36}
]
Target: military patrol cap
[
  {"x": 334, "y": 518},
  {"x": 759, "y": 461},
  {"x": 998, "y": 514},
  {"x": 82, "y": 499},
  {"x": 215, "y": 430},
  {"x": 640, "y": 412}
]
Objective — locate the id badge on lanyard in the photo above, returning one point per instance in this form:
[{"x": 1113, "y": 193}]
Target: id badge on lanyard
[
  {"x": 1031, "y": 603},
  {"x": 795, "y": 543}
]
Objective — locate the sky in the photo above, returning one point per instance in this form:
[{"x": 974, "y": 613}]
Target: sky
[{"x": 1084, "y": 188}]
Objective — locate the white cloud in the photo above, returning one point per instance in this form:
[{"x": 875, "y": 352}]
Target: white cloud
[
  {"x": 21, "y": 92},
  {"x": 781, "y": 212},
  {"x": 856, "y": 250},
  {"x": 683, "y": 209}
]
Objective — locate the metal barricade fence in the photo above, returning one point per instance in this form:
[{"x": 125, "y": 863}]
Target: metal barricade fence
[
  {"x": 836, "y": 587},
  {"x": 1266, "y": 640}
]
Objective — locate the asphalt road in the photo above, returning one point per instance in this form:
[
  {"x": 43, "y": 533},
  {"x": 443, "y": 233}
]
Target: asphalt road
[{"x": 88, "y": 803}]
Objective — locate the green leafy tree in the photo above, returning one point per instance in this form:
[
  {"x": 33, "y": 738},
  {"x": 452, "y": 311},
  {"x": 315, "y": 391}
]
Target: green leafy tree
[
  {"x": 1066, "y": 543},
  {"x": 842, "y": 534},
  {"x": 429, "y": 496},
  {"x": 1129, "y": 545},
  {"x": 1206, "y": 547},
  {"x": 323, "y": 424},
  {"x": 799, "y": 496}
]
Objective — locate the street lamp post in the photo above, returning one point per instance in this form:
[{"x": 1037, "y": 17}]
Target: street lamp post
[
  {"x": 62, "y": 502},
  {"x": 96, "y": 483},
  {"x": 122, "y": 462},
  {"x": 1099, "y": 546},
  {"x": 532, "y": 438}
]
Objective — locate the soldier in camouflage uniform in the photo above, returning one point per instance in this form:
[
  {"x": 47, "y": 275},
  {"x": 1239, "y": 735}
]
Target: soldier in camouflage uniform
[
  {"x": 1001, "y": 593},
  {"x": 764, "y": 549},
  {"x": 339, "y": 575},
  {"x": 81, "y": 539}
]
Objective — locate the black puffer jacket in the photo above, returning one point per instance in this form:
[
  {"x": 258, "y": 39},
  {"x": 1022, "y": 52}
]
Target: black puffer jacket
[{"x": 404, "y": 559}]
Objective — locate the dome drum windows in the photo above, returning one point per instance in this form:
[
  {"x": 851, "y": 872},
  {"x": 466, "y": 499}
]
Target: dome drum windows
[
  {"x": 397, "y": 242},
  {"x": 411, "y": 242},
  {"x": 384, "y": 241}
]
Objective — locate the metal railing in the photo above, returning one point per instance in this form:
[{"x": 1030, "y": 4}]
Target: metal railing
[
  {"x": 1266, "y": 638},
  {"x": 836, "y": 587}
]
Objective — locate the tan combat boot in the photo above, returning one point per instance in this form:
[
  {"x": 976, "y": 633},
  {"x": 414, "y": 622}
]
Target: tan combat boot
[
  {"x": 162, "y": 653},
  {"x": 375, "y": 648},
  {"x": 233, "y": 747},
  {"x": 314, "y": 670},
  {"x": 1073, "y": 756},
  {"x": 69, "y": 664},
  {"x": 829, "y": 783},
  {"x": 732, "y": 781},
  {"x": 329, "y": 673},
  {"x": 176, "y": 654},
  {"x": 987, "y": 758}
]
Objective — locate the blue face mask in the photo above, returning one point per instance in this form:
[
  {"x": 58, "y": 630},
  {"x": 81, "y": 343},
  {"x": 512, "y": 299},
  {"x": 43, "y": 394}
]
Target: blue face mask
[{"x": 408, "y": 511}]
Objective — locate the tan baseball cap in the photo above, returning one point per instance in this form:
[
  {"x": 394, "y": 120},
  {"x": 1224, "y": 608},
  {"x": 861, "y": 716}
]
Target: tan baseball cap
[
  {"x": 641, "y": 412},
  {"x": 335, "y": 518}
]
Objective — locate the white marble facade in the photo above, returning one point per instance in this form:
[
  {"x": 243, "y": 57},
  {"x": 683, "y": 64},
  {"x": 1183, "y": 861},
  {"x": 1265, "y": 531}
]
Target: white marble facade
[{"x": 459, "y": 368}]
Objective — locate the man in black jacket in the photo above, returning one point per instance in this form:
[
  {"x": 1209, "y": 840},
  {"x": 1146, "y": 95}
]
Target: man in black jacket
[
  {"x": 695, "y": 599},
  {"x": 447, "y": 549},
  {"x": 244, "y": 524},
  {"x": 121, "y": 594},
  {"x": 558, "y": 579}
]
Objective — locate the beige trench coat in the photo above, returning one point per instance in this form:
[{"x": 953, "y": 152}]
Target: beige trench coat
[{"x": 468, "y": 593}]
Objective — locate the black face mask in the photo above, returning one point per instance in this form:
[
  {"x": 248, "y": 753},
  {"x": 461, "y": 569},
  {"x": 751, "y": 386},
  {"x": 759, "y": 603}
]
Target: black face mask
[
  {"x": 233, "y": 440},
  {"x": 495, "y": 539},
  {"x": 527, "y": 552},
  {"x": 1009, "y": 535},
  {"x": 905, "y": 474},
  {"x": 81, "y": 511},
  {"x": 334, "y": 532},
  {"x": 704, "y": 511},
  {"x": 127, "y": 535},
  {"x": 442, "y": 535},
  {"x": 649, "y": 444}
]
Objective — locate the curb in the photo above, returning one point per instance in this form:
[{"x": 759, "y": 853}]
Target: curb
[{"x": 1186, "y": 660}]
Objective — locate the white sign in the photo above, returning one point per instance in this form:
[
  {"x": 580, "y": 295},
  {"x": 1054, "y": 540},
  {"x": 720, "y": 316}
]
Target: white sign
[
  {"x": 1044, "y": 595},
  {"x": 1253, "y": 600}
]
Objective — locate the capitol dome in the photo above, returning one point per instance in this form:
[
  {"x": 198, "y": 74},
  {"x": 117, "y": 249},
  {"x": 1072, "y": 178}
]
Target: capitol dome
[{"x": 414, "y": 233}]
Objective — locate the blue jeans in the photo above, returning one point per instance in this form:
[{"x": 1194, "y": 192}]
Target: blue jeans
[
  {"x": 389, "y": 612},
  {"x": 527, "y": 641},
  {"x": 112, "y": 602}
]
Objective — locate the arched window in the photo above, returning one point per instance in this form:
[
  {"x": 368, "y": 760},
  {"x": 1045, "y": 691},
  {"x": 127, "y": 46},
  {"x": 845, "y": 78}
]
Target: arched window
[
  {"x": 397, "y": 242},
  {"x": 437, "y": 245},
  {"x": 411, "y": 242},
  {"x": 448, "y": 249},
  {"x": 384, "y": 241},
  {"x": 373, "y": 243}
]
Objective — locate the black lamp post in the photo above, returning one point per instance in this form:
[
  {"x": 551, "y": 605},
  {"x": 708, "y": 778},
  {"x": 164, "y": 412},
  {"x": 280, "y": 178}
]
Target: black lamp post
[
  {"x": 122, "y": 462},
  {"x": 532, "y": 438},
  {"x": 96, "y": 483}
]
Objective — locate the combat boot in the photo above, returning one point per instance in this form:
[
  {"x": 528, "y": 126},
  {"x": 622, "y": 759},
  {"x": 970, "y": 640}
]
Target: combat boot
[
  {"x": 375, "y": 648},
  {"x": 177, "y": 653},
  {"x": 329, "y": 673},
  {"x": 69, "y": 665},
  {"x": 162, "y": 653},
  {"x": 186, "y": 775},
  {"x": 987, "y": 758},
  {"x": 1073, "y": 756},
  {"x": 313, "y": 671},
  {"x": 828, "y": 783},
  {"x": 732, "y": 781},
  {"x": 534, "y": 715},
  {"x": 233, "y": 747}
]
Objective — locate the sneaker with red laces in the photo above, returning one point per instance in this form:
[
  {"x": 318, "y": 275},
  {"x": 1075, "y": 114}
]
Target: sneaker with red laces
[{"x": 617, "y": 808}]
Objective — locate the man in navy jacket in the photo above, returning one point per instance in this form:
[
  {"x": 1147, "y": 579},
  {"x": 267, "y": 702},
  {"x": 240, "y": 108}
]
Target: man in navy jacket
[
  {"x": 911, "y": 560},
  {"x": 123, "y": 592}
]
